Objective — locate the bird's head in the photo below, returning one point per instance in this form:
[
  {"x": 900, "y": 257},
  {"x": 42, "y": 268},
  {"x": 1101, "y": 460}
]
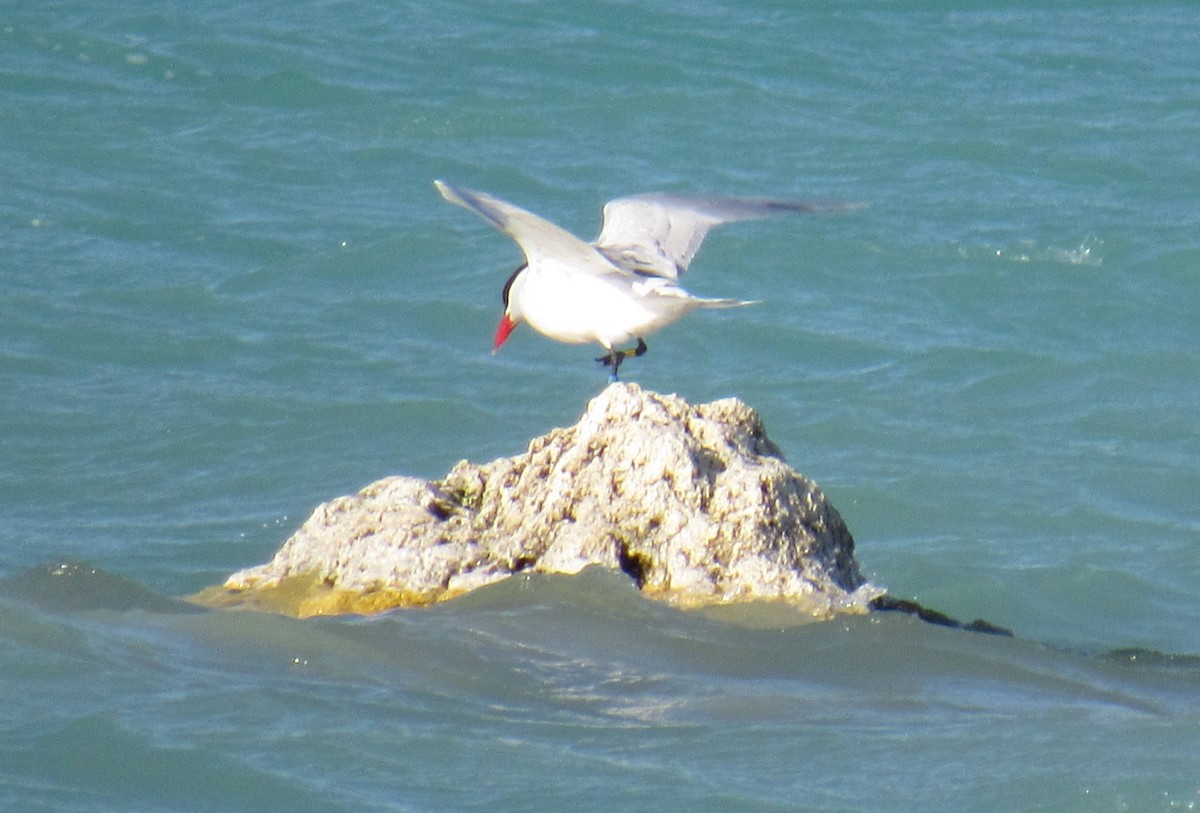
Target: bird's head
[{"x": 512, "y": 311}]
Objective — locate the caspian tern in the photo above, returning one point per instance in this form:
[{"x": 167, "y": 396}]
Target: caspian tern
[{"x": 623, "y": 286}]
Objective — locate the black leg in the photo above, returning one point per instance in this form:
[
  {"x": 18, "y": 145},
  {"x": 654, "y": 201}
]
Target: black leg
[{"x": 615, "y": 357}]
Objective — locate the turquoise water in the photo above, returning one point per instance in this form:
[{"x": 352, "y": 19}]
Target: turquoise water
[{"x": 229, "y": 292}]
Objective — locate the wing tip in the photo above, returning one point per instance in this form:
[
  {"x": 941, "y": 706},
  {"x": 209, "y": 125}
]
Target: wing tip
[
  {"x": 814, "y": 206},
  {"x": 483, "y": 205},
  {"x": 447, "y": 190}
]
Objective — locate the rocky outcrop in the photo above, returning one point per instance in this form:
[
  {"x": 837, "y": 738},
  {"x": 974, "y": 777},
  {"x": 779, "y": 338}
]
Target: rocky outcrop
[{"x": 694, "y": 503}]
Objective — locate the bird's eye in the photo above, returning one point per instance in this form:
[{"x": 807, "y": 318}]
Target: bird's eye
[{"x": 508, "y": 285}]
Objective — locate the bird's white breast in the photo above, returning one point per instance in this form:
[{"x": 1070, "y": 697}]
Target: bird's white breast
[{"x": 578, "y": 307}]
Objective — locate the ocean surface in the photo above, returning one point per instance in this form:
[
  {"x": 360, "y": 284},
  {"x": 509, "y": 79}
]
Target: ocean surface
[{"x": 229, "y": 292}]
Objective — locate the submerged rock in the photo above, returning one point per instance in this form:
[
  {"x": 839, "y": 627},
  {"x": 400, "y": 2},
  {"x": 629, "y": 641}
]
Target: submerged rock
[{"x": 694, "y": 503}]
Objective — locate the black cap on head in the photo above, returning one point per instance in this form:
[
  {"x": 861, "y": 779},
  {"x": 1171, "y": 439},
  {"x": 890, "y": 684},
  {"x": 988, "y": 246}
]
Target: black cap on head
[{"x": 508, "y": 286}]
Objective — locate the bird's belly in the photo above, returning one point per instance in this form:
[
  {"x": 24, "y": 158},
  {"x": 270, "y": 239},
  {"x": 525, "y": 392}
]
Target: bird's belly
[{"x": 583, "y": 308}]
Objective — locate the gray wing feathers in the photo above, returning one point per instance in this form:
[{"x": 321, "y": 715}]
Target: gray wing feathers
[
  {"x": 536, "y": 237},
  {"x": 660, "y": 234},
  {"x": 656, "y": 234}
]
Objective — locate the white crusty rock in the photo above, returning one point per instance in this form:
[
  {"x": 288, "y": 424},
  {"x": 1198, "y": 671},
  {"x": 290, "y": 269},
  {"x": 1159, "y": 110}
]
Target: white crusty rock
[{"x": 694, "y": 503}]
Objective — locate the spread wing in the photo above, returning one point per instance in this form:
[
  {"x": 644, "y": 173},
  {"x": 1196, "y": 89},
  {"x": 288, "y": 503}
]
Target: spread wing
[
  {"x": 538, "y": 238},
  {"x": 659, "y": 234}
]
